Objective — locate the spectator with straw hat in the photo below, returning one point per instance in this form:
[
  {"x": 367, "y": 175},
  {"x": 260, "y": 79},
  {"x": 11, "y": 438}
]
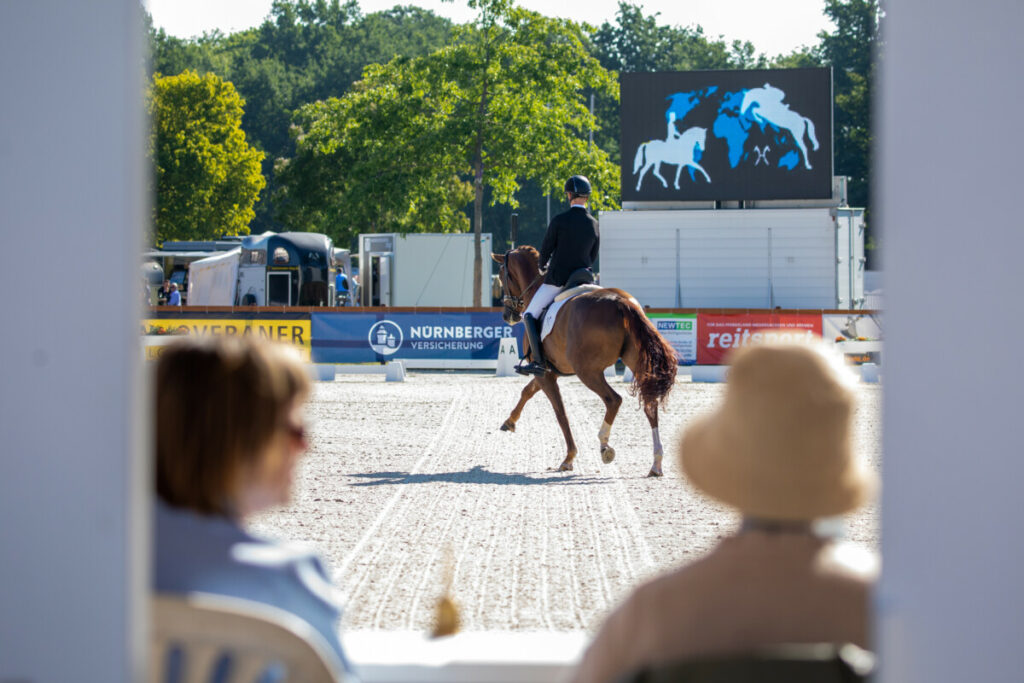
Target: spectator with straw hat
[{"x": 779, "y": 451}]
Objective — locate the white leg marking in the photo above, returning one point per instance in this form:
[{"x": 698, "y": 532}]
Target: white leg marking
[
  {"x": 604, "y": 433},
  {"x": 658, "y": 450}
]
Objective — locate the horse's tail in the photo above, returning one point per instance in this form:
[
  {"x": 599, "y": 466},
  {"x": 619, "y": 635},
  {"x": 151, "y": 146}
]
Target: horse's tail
[
  {"x": 810, "y": 133},
  {"x": 655, "y": 372},
  {"x": 639, "y": 160}
]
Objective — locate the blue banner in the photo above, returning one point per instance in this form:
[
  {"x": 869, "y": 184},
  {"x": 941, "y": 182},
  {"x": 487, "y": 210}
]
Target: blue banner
[{"x": 384, "y": 336}]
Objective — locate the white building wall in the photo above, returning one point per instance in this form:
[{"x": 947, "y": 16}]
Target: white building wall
[
  {"x": 722, "y": 259},
  {"x": 437, "y": 269}
]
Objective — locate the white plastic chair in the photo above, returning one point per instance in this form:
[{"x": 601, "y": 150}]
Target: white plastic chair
[{"x": 255, "y": 636}]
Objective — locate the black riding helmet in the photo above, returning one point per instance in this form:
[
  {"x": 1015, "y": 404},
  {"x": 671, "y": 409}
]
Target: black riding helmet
[{"x": 578, "y": 185}]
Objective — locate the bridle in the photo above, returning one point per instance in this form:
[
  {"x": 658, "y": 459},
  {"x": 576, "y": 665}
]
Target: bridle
[{"x": 515, "y": 303}]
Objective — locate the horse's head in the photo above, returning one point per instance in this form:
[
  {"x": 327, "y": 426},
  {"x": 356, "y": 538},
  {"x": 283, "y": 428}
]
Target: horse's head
[
  {"x": 520, "y": 273},
  {"x": 702, "y": 137}
]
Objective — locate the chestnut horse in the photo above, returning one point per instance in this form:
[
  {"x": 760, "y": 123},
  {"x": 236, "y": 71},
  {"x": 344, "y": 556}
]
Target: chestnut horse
[{"x": 591, "y": 332}]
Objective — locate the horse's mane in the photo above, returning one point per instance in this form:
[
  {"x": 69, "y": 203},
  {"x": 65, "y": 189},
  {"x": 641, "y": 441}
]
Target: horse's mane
[{"x": 530, "y": 252}]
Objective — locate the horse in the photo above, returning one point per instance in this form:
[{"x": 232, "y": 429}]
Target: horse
[
  {"x": 765, "y": 106},
  {"x": 591, "y": 332},
  {"x": 679, "y": 151}
]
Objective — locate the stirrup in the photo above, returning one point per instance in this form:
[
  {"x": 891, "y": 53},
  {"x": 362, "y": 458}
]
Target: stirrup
[{"x": 531, "y": 368}]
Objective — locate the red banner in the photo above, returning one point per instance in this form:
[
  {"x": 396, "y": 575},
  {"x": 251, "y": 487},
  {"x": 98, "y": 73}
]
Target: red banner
[{"x": 717, "y": 335}]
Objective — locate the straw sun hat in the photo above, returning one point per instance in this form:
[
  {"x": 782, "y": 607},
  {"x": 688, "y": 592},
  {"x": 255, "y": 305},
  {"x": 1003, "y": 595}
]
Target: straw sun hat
[{"x": 779, "y": 446}]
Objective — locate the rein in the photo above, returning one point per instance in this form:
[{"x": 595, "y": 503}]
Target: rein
[{"x": 516, "y": 303}]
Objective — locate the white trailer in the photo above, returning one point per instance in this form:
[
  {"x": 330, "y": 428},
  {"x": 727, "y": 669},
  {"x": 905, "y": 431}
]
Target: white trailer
[
  {"x": 736, "y": 258},
  {"x": 422, "y": 269},
  {"x": 213, "y": 280}
]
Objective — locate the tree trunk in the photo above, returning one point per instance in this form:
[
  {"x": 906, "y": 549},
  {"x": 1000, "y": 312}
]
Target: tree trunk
[
  {"x": 478, "y": 219},
  {"x": 478, "y": 198}
]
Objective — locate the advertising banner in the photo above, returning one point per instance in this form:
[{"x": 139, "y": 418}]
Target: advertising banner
[
  {"x": 727, "y": 135},
  {"x": 679, "y": 330},
  {"x": 380, "y": 337},
  {"x": 719, "y": 334},
  {"x": 294, "y": 330}
]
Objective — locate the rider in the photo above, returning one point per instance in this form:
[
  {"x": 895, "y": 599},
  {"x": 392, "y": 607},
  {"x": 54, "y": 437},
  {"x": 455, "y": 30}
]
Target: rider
[{"x": 570, "y": 244}]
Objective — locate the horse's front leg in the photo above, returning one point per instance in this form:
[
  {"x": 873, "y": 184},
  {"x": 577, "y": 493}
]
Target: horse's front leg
[
  {"x": 549, "y": 383},
  {"x": 657, "y": 173},
  {"x": 528, "y": 391},
  {"x": 703, "y": 172}
]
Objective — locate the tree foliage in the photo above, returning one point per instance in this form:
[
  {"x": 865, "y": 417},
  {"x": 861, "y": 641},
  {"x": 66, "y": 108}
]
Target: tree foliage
[
  {"x": 310, "y": 52},
  {"x": 850, "y": 51},
  {"x": 306, "y": 50},
  {"x": 503, "y": 102},
  {"x": 207, "y": 176}
]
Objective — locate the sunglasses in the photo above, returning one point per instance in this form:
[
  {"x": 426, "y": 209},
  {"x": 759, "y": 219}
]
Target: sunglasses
[{"x": 297, "y": 432}]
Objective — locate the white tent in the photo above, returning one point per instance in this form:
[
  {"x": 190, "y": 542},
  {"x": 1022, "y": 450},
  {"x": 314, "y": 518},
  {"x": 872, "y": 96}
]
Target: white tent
[{"x": 212, "y": 280}]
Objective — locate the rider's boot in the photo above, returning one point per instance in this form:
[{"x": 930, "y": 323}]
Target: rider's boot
[{"x": 537, "y": 365}]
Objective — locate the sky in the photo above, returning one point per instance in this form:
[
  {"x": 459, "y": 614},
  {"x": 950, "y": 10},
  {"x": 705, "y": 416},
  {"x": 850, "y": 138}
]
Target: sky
[{"x": 773, "y": 27}]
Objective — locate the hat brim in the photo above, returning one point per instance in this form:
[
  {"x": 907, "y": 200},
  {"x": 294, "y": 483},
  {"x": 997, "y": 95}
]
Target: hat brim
[{"x": 709, "y": 456}]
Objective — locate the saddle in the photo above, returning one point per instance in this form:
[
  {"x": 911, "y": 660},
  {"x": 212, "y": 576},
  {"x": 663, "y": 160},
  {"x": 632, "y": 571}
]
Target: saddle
[{"x": 581, "y": 279}]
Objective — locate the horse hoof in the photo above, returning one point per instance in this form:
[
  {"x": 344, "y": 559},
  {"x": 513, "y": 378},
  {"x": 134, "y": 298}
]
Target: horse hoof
[
  {"x": 565, "y": 466},
  {"x": 607, "y": 454},
  {"x": 508, "y": 426},
  {"x": 655, "y": 472}
]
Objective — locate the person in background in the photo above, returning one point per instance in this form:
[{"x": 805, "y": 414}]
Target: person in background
[
  {"x": 163, "y": 293},
  {"x": 229, "y": 434},
  {"x": 341, "y": 287},
  {"x": 174, "y": 298},
  {"x": 777, "y": 450}
]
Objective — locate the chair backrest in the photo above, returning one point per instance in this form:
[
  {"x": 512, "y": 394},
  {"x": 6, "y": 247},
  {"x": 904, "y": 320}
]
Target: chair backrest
[
  {"x": 811, "y": 663},
  {"x": 199, "y": 630}
]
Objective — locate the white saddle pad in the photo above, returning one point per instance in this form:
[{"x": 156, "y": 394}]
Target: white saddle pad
[{"x": 560, "y": 299}]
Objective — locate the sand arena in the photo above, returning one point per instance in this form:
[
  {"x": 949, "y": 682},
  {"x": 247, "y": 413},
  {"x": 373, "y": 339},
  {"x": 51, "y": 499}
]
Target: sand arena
[{"x": 407, "y": 482}]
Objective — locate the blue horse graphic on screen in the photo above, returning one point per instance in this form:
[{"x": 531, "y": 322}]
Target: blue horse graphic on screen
[
  {"x": 765, "y": 106},
  {"x": 680, "y": 150}
]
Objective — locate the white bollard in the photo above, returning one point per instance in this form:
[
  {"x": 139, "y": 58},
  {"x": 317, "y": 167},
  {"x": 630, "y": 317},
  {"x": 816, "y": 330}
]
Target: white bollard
[
  {"x": 627, "y": 376},
  {"x": 394, "y": 371},
  {"x": 709, "y": 373},
  {"x": 508, "y": 356},
  {"x": 869, "y": 373},
  {"x": 610, "y": 371},
  {"x": 322, "y": 372}
]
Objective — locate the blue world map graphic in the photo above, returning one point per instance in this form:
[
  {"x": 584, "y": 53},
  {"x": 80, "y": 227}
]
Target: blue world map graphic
[{"x": 733, "y": 125}]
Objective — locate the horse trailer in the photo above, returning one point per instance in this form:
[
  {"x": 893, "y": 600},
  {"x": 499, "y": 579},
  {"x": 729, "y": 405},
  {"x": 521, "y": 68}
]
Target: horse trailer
[
  {"x": 272, "y": 269},
  {"x": 736, "y": 258}
]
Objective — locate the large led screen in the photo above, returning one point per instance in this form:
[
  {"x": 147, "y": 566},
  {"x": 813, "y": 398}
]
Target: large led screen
[{"x": 727, "y": 135}]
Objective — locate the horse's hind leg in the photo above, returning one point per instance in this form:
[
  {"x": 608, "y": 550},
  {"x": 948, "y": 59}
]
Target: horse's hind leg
[
  {"x": 651, "y": 411},
  {"x": 528, "y": 391},
  {"x": 549, "y": 383},
  {"x": 596, "y": 382},
  {"x": 641, "y": 178}
]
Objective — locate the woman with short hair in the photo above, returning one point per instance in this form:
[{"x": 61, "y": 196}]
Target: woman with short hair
[{"x": 229, "y": 433}]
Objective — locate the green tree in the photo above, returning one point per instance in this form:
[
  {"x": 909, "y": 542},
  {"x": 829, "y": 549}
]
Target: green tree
[
  {"x": 306, "y": 50},
  {"x": 207, "y": 176},
  {"x": 636, "y": 42},
  {"x": 850, "y": 51},
  {"x": 503, "y": 103}
]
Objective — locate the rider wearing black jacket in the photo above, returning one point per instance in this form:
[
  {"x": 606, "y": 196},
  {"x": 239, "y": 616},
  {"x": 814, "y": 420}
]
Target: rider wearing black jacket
[{"x": 571, "y": 243}]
